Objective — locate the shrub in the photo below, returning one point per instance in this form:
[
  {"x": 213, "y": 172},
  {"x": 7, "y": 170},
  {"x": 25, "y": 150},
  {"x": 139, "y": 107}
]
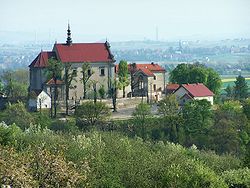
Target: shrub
[{"x": 92, "y": 113}]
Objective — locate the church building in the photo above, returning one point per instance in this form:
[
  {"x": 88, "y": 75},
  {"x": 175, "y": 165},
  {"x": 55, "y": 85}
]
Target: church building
[{"x": 97, "y": 55}]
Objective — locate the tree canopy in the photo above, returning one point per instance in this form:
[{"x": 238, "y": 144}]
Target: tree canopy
[{"x": 196, "y": 73}]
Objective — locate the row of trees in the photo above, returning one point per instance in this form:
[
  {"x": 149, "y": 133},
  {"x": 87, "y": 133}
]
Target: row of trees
[{"x": 54, "y": 71}]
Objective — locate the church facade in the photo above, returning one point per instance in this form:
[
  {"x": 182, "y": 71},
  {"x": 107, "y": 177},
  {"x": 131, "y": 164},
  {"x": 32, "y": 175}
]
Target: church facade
[{"x": 97, "y": 55}]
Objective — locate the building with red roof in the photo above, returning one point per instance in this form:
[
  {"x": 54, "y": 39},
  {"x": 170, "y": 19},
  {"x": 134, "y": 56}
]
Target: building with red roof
[
  {"x": 198, "y": 91},
  {"x": 147, "y": 80},
  {"x": 97, "y": 55},
  {"x": 170, "y": 88}
]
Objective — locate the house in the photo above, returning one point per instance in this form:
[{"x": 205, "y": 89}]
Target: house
[
  {"x": 97, "y": 55},
  {"x": 170, "y": 88},
  {"x": 39, "y": 99},
  {"x": 198, "y": 91},
  {"x": 147, "y": 80}
]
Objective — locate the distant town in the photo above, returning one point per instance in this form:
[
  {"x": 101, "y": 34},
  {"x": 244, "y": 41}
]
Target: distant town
[{"x": 228, "y": 57}]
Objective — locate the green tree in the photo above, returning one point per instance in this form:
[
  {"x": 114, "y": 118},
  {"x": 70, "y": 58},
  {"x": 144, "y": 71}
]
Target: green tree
[
  {"x": 86, "y": 74},
  {"x": 92, "y": 113},
  {"x": 241, "y": 88},
  {"x": 168, "y": 106},
  {"x": 197, "y": 116},
  {"x": 230, "y": 91},
  {"x": 230, "y": 130},
  {"x": 214, "y": 82},
  {"x": 102, "y": 92},
  {"x": 54, "y": 69},
  {"x": 246, "y": 108},
  {"x": 196, "y": 73},
  {"x": 69, "y": 76},
  {"x": 140, "y": 114},
  {"x": 123, "y": 76},
  {"x": 15, "y": 83},
  {"x": 17, "y": 113}
]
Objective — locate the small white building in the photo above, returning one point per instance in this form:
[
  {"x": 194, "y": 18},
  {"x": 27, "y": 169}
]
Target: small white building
[
  {"x": 198, "y": 91},
  {"x": 39, "y": 99}
]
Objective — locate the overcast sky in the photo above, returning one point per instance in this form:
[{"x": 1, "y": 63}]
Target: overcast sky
[{"x": 118, "y": 20}]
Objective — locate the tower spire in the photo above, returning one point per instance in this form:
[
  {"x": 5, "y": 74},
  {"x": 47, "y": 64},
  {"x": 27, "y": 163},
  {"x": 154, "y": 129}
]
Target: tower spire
[{"x": 69, "y": 39}]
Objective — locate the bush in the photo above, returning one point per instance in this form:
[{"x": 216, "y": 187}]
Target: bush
[
  {"x": 17, "y": 113},
  {"x": 237, "y": 178},
  {"x": 92, "y": 113}
]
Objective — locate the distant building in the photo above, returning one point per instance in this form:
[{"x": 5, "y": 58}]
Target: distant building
[
  {"x": 148, "y": 80},
  {"x": 98, "y": 55},
  {"x": 187, "y": 92},
  {"x": 39, "y": 100}
]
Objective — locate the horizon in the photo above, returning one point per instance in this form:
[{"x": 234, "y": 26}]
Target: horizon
[{"x": 124, "y": 21}]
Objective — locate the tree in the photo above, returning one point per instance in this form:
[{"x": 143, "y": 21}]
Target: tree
[
  {"x": 246, "y": 108},
  {"x": 101, "y": 92},
  {"x": 14, "y": 83},
  {"x": 230, "y": 131},
  {"x": 92, "y": 113},
  {"x": 86, "y": 74},
  {"x": 17, "y": 113},
  {"x": 168, "y": 106},
  {"x": 69, "y": 76},
  {"x": 230, "y": 91},
  {"x": 214, "y": 82},
  {"x": 113, "y": 92},
  {"x": 123, "y": 76},
  {"x": 241, "y": 88},
  {"x": 196, "y": 73},
  {"x": 141, "y": 113},
  {"x": 55, "y": 70},
  {"x": 197, "y": 116}
]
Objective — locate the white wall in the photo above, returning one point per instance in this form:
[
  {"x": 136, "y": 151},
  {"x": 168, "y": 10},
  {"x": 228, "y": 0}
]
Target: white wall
[{"x": 45, "y": 101}]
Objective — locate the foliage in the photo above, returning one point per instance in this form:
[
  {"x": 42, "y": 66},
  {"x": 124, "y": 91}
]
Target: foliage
[
  {"x": 9, "y": 134},
  {"x": 168, "y": 105},
  {"x": 17, "y": 113},
  {"x": 141, "y": 113},
  {"x": 42, "y": 158},
  {"x": 123, "y": 76},
  {"x": 196, "y": 73},
  {"x": 197, "y": 115},
  {"x": 230, "y": 132},
  {"x": 237, "y": 178},
  {"x": 86, "y": 74},
  {"x": 69, "y": 76},
  {"x": 92, "y": 113},
  {"x": 54, "y": 71},
  {"x": 102, "y": 92},
  {"x": 15, "y": 83},
  {"x": 241, "y": 88}
]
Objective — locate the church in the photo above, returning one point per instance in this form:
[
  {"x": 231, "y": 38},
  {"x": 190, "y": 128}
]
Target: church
[{"x": 97, "y": 55}]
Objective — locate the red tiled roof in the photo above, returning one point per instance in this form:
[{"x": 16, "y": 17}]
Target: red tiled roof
[
  {"x": 197, "y": 90},
  {"x": 146, "y": 71},
  {"x": 52, "y": 82},
  {"x": 152, "y": 67},
  {"x": 42, "y": 59},
  {"x": 83, "y": 52},
  {"x": 172, "y": 86}
]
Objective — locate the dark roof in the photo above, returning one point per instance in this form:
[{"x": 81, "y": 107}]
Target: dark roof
[
  {"x": 197, "y": 90},
  {"x": 83, "y": 52},
  {"x": 41, "y": 60}
]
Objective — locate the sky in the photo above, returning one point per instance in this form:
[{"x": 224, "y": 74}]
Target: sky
[{"x": 123, "y": 20}]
